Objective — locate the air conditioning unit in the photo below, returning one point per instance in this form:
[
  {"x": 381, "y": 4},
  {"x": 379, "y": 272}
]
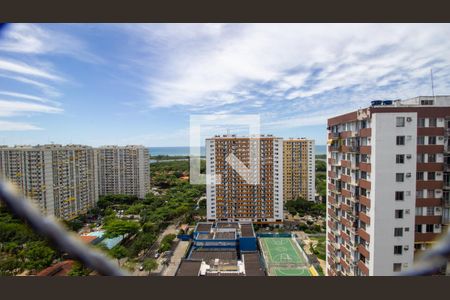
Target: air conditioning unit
[
  {"x": 406, "y": 211},
  {"x": 406, "y": 248},
  {"x": 408, "y": 175},
  {"x": 440, "y": 138},
  {"x": 408, "y": 156},
  {"x": 406, "y": 229},
  {"x": 437, "y": 226},
  {"x": 408, "y": 119}
]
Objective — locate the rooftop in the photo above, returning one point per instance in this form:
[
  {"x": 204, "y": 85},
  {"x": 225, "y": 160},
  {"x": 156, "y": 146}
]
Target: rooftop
[
  {"x": 58, "y": 269},
  {"x": 189, "y": 268}
]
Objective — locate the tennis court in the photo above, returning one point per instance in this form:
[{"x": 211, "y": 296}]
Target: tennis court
[
  {"x": 290, "y": 272},
  {"x": 282, "y": 251}
]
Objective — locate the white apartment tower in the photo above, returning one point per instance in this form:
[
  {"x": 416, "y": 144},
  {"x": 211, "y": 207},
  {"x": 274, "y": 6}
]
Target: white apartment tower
[
  {"x": 60, "y": 180},
  {"x": 388, "y": 193},
  {"x": 123, "y": 170}
]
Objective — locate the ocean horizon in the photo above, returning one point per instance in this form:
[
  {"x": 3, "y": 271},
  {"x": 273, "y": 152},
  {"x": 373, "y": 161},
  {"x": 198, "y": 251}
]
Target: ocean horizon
[{"x": 184, "y": 151}]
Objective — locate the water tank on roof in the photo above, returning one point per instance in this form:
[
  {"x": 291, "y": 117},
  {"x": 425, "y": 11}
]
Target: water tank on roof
[
  {"x": 387, "y": 102},
  {"x": 376, "y": 102}
]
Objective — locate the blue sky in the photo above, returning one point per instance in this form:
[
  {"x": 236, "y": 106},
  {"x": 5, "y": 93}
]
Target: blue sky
[{"x": 124, "y": 84}]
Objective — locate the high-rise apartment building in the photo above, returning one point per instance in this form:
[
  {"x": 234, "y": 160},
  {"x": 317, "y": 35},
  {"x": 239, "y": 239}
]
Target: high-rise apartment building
[
  {"x": 388, "y": 194},
  {"x": 60, "y": 180},
  {"x": 123, "y": 170},
  {"x": 299, "y": 169},
  {"x": 245, "y": 178}
]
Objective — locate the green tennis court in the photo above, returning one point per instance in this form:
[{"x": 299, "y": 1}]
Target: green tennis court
[
  {"x": 290, "y": 272},
  {"x": 282, "y": 251}
]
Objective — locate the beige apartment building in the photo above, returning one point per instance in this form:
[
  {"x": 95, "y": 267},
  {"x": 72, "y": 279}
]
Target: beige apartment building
[
  {"x": 299, "y": 169},
  {"x": 60, "y": 180},
  {"x": 231, "y": 197},
  {"x": 123, "y": 170}
]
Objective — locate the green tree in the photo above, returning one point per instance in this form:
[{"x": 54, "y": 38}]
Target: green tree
[
  {"x": 119, "y": 252},
  {"x": 37, "y": 255},
  {"x": 79, "y": 270},
  {"x": 118, "y": 227},
  {"x": 150, "y": 264}
]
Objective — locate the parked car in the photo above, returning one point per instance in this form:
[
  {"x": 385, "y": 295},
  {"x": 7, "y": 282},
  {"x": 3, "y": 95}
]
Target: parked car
[
  {"x": 156, "y": 255},
  {"x": 141, "y": 268}
]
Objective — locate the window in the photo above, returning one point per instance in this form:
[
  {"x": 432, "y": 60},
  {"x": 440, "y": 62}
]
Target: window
[
  {"x": 419, "y": 228},
  {"x": 399, "y": 196},
  {"x": 397, "y": 267},
  {"x": 399, "y": 177},
  {"x": 398, "y": 231},
  {"x": 420, "y": 157},
  {"x": 429, "y": 228},
  {"x": 421, "y": 140},
  {"x": 400, "y": 139},
  {"x": 398, "y": 250},
  {"x": 426, "y": 102},
  {"x": 431, "y": 158},
  {"x": 419, "y": 176},
  {"x": 431, "y": 176},
  {"x": 430, "y": 194},
  {"x": 421, "y": 122},
  {"x": 430, "y": 211},
  {"x": 400, "y": 121},
  {"x": 419, "y": 194},
  {"x": 432, "y": 122},
  {"x": 400, "y": 159},
  {"x": 431, "y": 140},
  {"x": 399, "y": 213}
]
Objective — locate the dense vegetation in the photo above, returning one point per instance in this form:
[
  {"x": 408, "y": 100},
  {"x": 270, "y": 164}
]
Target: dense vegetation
[
  {"x": 319, "y": 248},
  {"x": 20, "y": 248},
  {"x": 304, "y": 207}
]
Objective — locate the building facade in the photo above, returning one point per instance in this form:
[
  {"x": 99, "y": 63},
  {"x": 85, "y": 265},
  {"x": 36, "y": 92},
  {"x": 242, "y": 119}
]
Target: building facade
[
  {"x": 388, "y": 184},
  {"x": 299, "y": 169},
  {"x": 60, "y": 180},
  {"x": 123, "y": 170},
  {"x": 244, "y": 178}
]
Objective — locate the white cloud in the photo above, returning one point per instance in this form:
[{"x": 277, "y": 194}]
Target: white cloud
[
  {"x": 202, "y": 65},
  {"x": 14, "y": 108},
  {"x": 26, "y": 96},
  {"x": 26, "y": 69},
  {"x": 35, "y": 39},
  {"x": 17, "y": 126}
]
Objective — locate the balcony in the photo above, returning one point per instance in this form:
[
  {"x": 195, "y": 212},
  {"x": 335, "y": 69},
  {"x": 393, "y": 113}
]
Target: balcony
[
  {"x": 366, "y": 149},
  {"x": 362, "y": 249},
  {"x": 365, "y": 218},
  {"x": 366, "y": 167},
  {"x": 363, "y": 268},
  {"x": 365, "y": 184},
  {"x": 363, "y": 234},
  {"x": 429, "y": 184},
  {"x": 364, "y": 200},
  {"x": 425, "y": 237},
  {"x": 333, "y": 135},
  {"x": 428, "y": 219},
  {"x": 365, "y": 132},
  {"x": 430, "y": 131},
  {"x": 421, "y": 202},
  {"x": 430, "y": 148},
  {"x": 430, "y": 167}
]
